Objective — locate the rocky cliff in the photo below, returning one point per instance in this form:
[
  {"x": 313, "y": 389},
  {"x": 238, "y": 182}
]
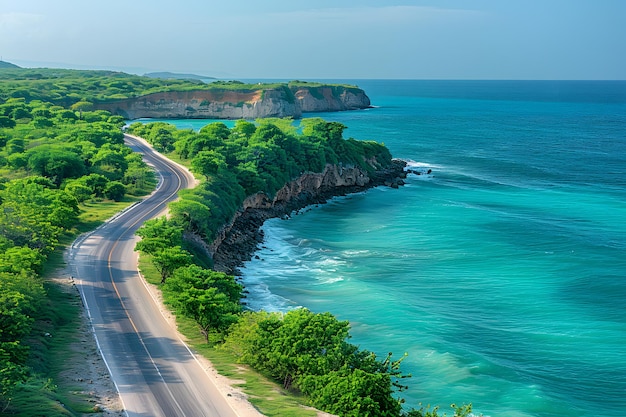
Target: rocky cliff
[
  {"x": 238, "y": 240},
  {"x": 282, "y": 101}
]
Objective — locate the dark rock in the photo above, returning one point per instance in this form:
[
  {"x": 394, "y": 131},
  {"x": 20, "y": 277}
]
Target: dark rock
[{"x": 239, "y": 240}]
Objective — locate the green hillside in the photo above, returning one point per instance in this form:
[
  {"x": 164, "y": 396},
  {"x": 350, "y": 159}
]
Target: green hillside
[{"x": 4, "y": 64}]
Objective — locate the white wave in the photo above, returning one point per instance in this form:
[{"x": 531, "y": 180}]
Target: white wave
[
  {"x": 259, "y": 297},
  {"x": 356, "y": 253},
  {"x": 327, "y": 262},
  {"x": 421, "y": 170},
  {"x": 329, "y": 280},
  {"x": 410, "y": 163}
]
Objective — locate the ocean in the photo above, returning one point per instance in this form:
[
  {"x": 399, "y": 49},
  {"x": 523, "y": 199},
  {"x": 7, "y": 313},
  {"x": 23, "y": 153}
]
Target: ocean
[{"x": 502, "y": 273}]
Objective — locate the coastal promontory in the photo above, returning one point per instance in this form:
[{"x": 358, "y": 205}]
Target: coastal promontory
[
  {"x": 135, "y": 97},
  {"x": 243, "y": 101}
]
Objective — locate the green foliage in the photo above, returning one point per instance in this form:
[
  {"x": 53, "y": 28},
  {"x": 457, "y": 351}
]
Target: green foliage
[
  {"x": 115, "y": 191},
  {"x": 192, "y": 216},
  {"x": 158, "y": 234},
  {"x": 207, "y": 163},
  {"x": 169, "y": 259},
  {"x": 310, "y": 352},
  {"x": 55, "y": 162},
  {"x": 6, "y": 122},
  {"x": 210, "y": 298},
  {"x": 20, "y": 298},
  {"x": 82, "y": 91},
  {"x": 301, "y": 350},
  {"x": 262, "y": 157},
  {"x": 33, "y": 213},
  {"x": 50, "y": 162}
]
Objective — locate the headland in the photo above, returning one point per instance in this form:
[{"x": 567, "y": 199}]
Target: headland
[{"x": 238, "y": 240}]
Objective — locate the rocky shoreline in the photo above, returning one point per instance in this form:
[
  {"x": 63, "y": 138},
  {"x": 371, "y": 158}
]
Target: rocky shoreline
[{"x": 241, "y": 239}]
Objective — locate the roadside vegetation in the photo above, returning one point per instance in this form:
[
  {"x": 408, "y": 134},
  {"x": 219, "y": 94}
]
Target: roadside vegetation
[
  {"x": 64, "y": 169},
  {"x": 304, "y": 353},
  {"x": 61, "y": 173}
]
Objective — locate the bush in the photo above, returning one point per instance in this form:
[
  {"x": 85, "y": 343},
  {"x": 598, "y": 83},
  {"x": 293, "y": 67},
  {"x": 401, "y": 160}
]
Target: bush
[{"x": 115, "y": 191}]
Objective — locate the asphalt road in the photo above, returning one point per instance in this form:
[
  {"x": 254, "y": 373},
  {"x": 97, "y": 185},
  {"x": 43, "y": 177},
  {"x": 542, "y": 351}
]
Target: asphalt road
[{"x": 154, "y": 371}]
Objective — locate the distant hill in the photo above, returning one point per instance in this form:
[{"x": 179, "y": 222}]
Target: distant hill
[
  {"x": 133, "y": 96},
  {"x": 169, "y": 75},
  {"x": 4, "y": 64}
]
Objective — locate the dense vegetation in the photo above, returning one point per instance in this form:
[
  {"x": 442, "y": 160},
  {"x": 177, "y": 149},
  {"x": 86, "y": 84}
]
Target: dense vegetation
[
  {"x": 80, "y": 89},
  {"x": 53, "y": 161},
  {"x": 57, "y": 158},
  {"x": 251, "y": 158}
]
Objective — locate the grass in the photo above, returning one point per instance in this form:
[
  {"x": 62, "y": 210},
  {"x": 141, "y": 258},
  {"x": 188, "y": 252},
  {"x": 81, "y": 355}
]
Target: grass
[
  {"x": 265, "y": 395},
  {"x": 95, "y": 213}
]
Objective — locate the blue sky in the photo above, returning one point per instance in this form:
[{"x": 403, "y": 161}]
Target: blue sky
[{"x": 341, "y": 39}]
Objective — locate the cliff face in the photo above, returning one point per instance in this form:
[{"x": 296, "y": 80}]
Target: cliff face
[
  {"x": 238, "y": 240},
  {"x": 239, "y": 104},
  {"x": 310, "y": 184},
  {"x": 330, "y": 98}
]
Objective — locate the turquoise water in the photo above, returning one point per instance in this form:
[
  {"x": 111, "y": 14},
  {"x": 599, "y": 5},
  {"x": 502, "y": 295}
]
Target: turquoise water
[{"x": 503, "y": 274}]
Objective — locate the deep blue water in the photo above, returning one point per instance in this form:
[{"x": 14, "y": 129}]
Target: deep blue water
[{"x": 502, "y": 274}]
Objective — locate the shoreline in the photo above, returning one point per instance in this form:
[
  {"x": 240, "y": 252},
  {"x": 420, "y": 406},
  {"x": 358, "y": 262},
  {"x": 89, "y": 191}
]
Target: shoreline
[{"x": 243, "y": 238}]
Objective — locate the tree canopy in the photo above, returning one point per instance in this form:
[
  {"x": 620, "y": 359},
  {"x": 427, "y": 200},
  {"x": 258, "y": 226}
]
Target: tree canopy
[
  {"x": 251, "y": 158},
  {"x": 52, "y": 161}
]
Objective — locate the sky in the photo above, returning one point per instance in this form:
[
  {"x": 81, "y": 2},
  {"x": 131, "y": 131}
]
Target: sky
[{"x": 322, "y": 39}]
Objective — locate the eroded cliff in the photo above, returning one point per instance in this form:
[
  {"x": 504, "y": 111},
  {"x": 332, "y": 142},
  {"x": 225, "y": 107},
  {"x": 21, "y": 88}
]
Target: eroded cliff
[
  {"x": 238, "y": 240},
  {"x": 282, "y": 101}
]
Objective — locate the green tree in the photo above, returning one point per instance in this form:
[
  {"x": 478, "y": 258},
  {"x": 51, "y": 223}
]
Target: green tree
[
  {"x": 15, "y": 145},
  {"x": 193, "y": 216},
  {"x": 243, "y": 129},
  {"x": 81, "y": 107},
  {"x": 310, "y": 352},
  {"x": 96, "y": 182},
  {"x": 20, "y": 113},
  {"x": 67, "y": 115},
  {"x": 34, "y": 214},
  {"x": 216, "y": 130},
  {"x": 115, "y": 191},
  {"x": 158, "y": 234},
  {"x": 21, "y": 260},
  {"x": 169, "y": 259},
  {"x": 207, "y": 163},
  {"x": 7, "y": 122},
  {"x": 210, "y": 308},
  {"x": 211, "y": 298},
  {"x": 110, "y": 161},
  {"x": 198, "y": 277},
  {"x": 352, "y": 393},
  {"x": 248, "y": 177},
  {"x": 55, "y": 162},
  {"x": 78, "y": 190},
  {"x": 42, "y": 122},
  {"x": 20, "y": 297},
  {"x": 306, "y": 343},
  {"x": 162, "y": 139},
  {"x": 17, "y": 161}
]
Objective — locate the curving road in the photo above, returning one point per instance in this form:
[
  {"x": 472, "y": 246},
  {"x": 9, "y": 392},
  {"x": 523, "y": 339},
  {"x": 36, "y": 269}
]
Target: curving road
[{"x": 154, "y": 371}]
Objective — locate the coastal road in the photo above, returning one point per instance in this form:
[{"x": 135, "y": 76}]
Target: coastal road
[{"x": 154, "y": 371}]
